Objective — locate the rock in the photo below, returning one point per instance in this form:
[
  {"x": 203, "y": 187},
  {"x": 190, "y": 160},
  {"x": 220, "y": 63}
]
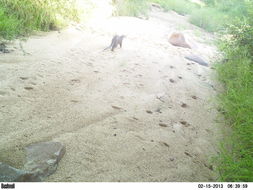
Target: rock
[
  {"x": 178, "y": 39},
  {"x": 43, "y": 158},
  {"x": 10, "y": 174},
  {"x": 196, "y": 59},
  {"x": 3, "y": 48}
]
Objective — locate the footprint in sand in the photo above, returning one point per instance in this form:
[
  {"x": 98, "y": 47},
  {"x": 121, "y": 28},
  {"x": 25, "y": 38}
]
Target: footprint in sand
[
  {"x": 185, "y": 123},
  {"x": 163, "y": 125},
  {"x": 23, "y": 78},
  {"x": 194, "y": 97},
  {"x": 74, "y": 101},
  {"x": 117, "y": 108},
  {"x": 138, "y": 76},
  {"x": 158, "y": 110},
  {"x": 164, "y": 144},
  {"x": 28, "y": 88},
  {"x": 184, "y": 105},
  {"x": 172, "y": 81},
  {"x": 187, "y": 154},
  {"x": 74, "y": 81}
]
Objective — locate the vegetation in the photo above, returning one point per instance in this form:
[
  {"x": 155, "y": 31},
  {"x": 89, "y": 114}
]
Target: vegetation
[
  {"x": 182, "y": 6},
  {"x": 130, "y": 7},
  {"x": 236, "y": 160},
  {"x": 232, "y": 20},
  {"x": 22, "y": 16}
]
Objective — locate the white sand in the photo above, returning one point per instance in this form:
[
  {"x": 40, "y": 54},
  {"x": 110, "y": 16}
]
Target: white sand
[{"x": 96, "y": 102}]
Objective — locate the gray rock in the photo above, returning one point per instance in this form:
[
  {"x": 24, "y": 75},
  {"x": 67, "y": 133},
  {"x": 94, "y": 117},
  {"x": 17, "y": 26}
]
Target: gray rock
[
  {"x": 196, "y": 59},
  {"x": 43, "y": 158},
  {"x": 10, "y": 174},
  {"x": 3, "y": 48}
]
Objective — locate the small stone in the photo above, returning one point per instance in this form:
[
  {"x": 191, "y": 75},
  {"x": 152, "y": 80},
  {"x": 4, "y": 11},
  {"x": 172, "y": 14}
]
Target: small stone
[{"x": 148, "y": 111}]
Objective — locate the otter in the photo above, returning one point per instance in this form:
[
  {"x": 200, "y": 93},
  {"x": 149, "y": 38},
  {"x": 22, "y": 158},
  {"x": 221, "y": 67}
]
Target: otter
[{"x": 116, "y": 40}]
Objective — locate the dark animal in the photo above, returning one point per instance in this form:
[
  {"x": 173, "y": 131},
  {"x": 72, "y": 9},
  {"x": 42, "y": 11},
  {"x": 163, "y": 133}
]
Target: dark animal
[{"x": 116, "y": 40}]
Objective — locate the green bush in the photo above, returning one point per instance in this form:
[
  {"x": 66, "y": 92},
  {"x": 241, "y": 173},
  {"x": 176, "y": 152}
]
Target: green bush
[
  {"x": 30, "y": 15},
  {"x": 180, "y": 6},
  {"x": 131, "y": 7},
  {"x": 9, "y": 25},
  {"x": 210, "y": 19},
  {"x": 236, "y": 160}
]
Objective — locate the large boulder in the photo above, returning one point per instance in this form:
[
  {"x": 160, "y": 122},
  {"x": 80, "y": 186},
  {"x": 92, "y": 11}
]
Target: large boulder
[
  {"x": 10, "y": 174},
  {"x": 43, "y": 158},
  {"x": 178, "y": 39},
  {"x": 41, "y": 161}
]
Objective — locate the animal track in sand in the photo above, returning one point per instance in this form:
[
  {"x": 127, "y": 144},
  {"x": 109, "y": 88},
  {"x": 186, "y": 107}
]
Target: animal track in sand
[
  {"x": 148, "y": 111},
  {"x": 172, "y": 81},
  {"x": 74, "y": 101},
  {"x": 187, "y": 154},
  {"x": 28, "y": 88},
  {"x": 117, "y": 108},
  {"x": 23, "y": 78},
  {"x": 194, "y": 97},
  {"x": 184, "y": 105},
  {"x": 163, "y": 125},
  {"x": 74, "y": 81},
  {"x": 158, "y": 110},
  {"x": 164, "y": 144},
  {"x": 185, "y": 123}
]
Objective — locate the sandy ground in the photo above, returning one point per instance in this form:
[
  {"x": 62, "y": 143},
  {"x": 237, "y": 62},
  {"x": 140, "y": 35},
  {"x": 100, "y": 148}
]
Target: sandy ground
[{"x": 141, "y": 113}]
